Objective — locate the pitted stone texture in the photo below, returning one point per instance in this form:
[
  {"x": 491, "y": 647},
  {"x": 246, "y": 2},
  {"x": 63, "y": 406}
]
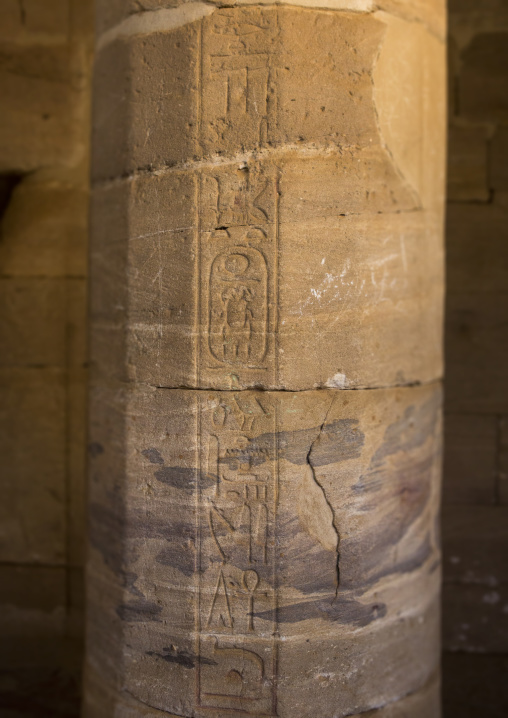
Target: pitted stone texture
[
  {"x": 426, "y": 703},
  {"x": 324, "y": 258},
  {"x": 212, "y": 524},
  {"x": 240, "y": 81}
]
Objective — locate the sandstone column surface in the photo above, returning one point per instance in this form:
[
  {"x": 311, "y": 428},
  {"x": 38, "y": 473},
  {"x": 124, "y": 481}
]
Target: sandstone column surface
[{"x": 267, "y": 289}]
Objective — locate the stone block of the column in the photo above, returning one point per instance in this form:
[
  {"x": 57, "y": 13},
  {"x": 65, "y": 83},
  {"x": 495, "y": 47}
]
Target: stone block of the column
[
  {"x": 282, "y": 274},
  {"x": 225, "y": 97},
  {"x": 32, "y": 446},
  {"x": 470, "y": 458},
  {"x": 257, "y": 551}
]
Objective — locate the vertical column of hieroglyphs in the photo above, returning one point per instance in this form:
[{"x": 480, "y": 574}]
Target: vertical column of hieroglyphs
[
  {"x": 238, "y": 235},
  {"x": 237, "y": 212},
  {"x": 237, "y": 515}
]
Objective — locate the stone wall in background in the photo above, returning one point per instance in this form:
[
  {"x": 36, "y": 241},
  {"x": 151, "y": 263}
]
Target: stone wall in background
[
  {"x": 45, "y": 68},
  {"x": 475, "y": 520}
]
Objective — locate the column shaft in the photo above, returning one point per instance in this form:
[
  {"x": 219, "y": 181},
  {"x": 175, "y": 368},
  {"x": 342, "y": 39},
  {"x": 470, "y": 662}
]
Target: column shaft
[{"x": 265, "y": 415}]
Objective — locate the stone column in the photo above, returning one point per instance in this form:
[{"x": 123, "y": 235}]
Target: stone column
[{"x": 265, "y": 412}]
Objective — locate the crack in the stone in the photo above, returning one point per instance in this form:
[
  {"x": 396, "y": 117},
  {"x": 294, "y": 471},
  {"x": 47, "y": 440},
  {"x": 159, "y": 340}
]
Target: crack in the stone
[
  {"x": 302, "y": 149},
  {"x": 327, "y": 501},
  {"x": 188, "y": 387}
]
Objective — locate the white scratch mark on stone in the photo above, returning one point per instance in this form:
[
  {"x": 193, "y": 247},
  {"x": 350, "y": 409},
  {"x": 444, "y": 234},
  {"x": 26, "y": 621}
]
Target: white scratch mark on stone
[{"x": 338, "y": 381}]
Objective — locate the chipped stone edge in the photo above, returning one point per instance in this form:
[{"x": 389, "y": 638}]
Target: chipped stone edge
[
  {"x": 164, "y": 19},
  {"x": 145, "y": 23}
]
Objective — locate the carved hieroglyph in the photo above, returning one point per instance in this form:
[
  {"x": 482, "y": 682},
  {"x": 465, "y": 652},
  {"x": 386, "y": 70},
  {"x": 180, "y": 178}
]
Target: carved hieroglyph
[
  {"x": 263, "y": 541},
  {"x": 237, "y": 507},
  {"x": 238, "y": 252}
]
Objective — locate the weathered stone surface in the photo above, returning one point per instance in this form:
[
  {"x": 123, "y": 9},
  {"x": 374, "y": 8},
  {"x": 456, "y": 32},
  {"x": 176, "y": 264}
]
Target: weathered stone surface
[
  {"x": 431, "y": 12},
  {"x": 423, "y": 704},
  {"x": 32, "y": 439},
  {"x": 169, "y": 332},
  {"x": 467, "y": 166},
  {"x": 112, "y": 13},
  {"x": 289, "y": 100},
  {"x": 470, "y": 459},
  {"x": 355, "y": 501}
]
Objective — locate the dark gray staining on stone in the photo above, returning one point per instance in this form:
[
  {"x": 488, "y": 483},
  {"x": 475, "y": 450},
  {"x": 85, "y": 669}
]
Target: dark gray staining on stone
[
  {"x": 139, "y": 611},
  {"x": 180, "y": 551},
  {"x": 398, "y": 485},
  {"x": 106, "y": 531},
  {"x": 182, "y": 478},
  {"x": 179, "y": 477},
  {"x": 304, "y": 564},
  {"x": 340, "y": 610},
  {"x": 182, "y": 658},
  {"x": 338, "y": 441},
  {"x": 153, "y": 456}
]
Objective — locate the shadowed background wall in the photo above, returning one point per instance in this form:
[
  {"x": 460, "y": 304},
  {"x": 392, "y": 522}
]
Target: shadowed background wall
[
  {"x": 45, "y": 69},
  {"x": 475, "y": 512}
]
